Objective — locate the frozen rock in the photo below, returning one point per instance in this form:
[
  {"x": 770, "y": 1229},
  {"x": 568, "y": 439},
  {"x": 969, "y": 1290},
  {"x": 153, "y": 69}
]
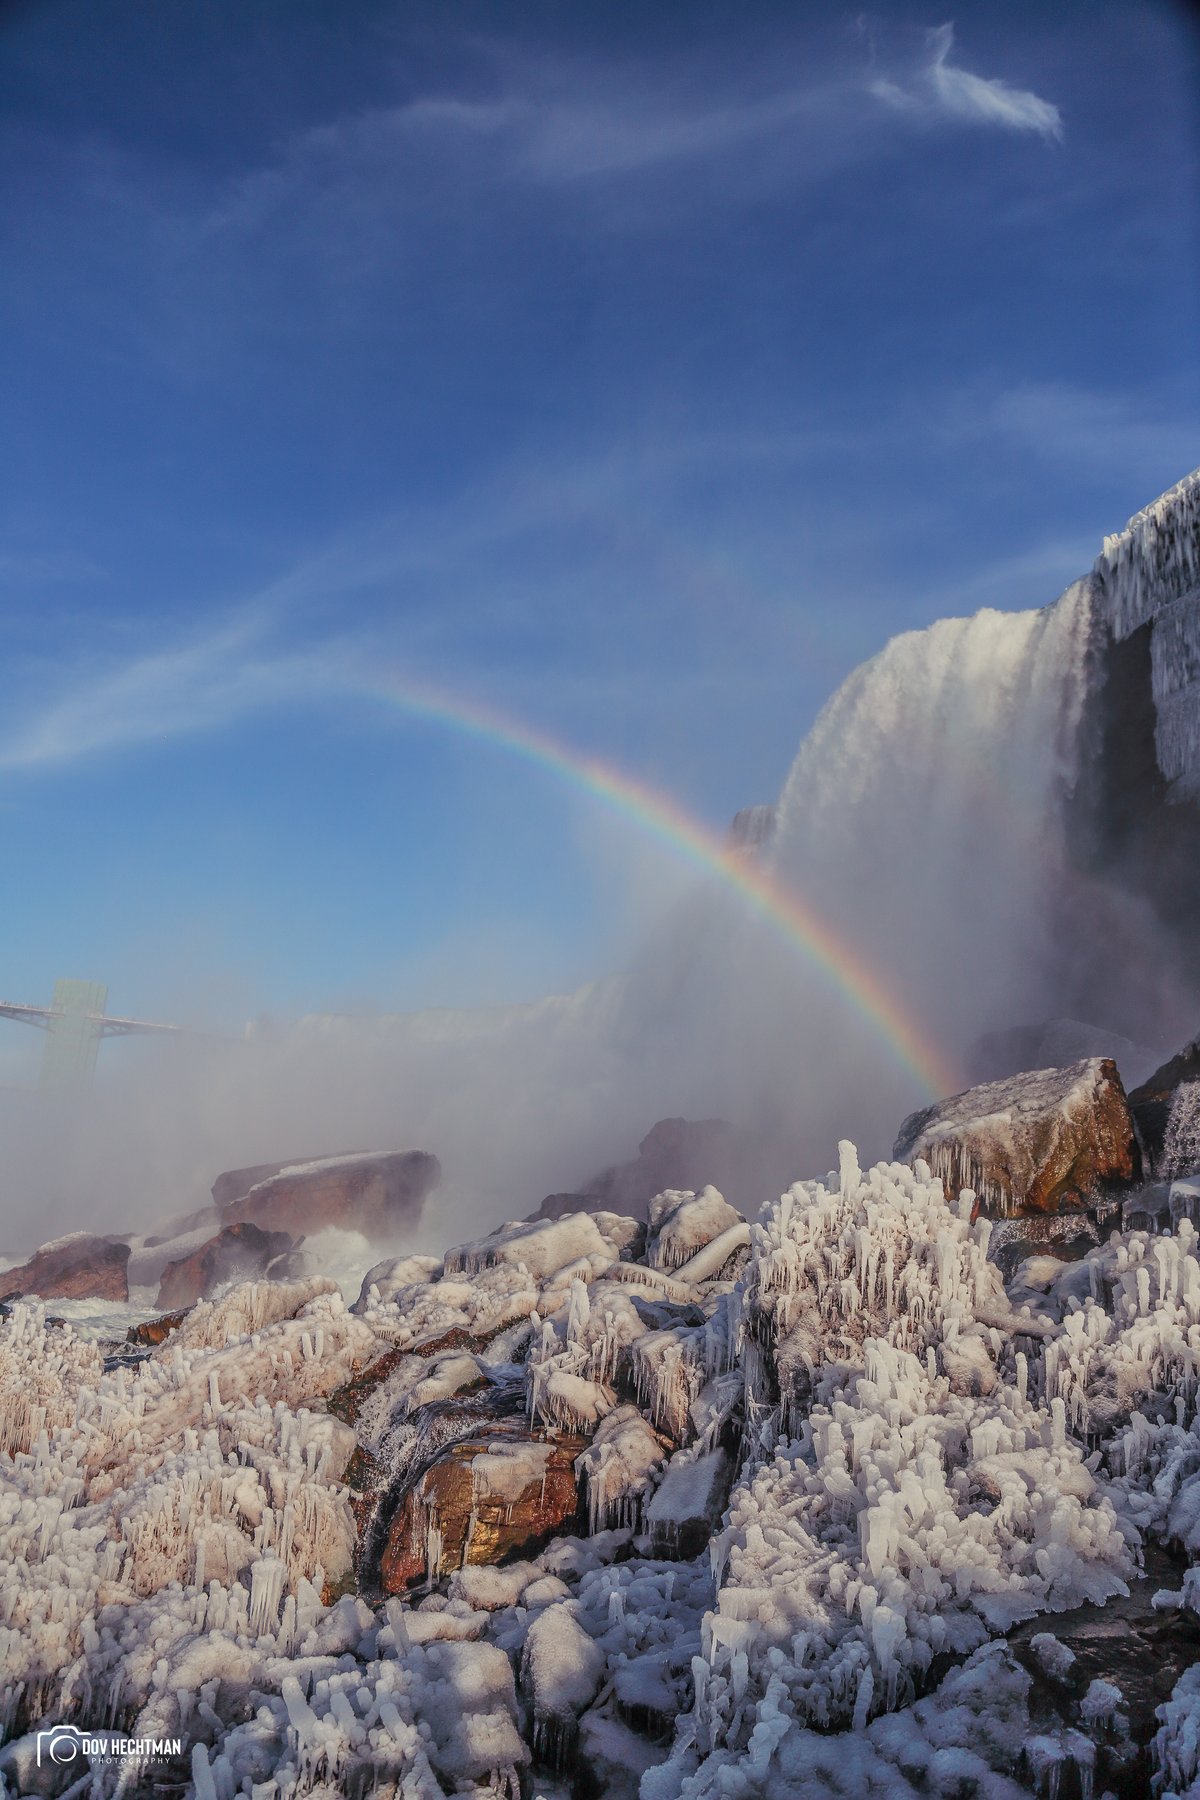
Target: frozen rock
[
  {"x": 561, "y": 1669},
  {"x": 542, "y": 1246},
  {"x": 378, "y": 1193},
  {"x": 687, "y": 1504},
  {"x": 489, "y": 1497},
  {"x": 1036, "y": 1143},
  {"x": 237, "y": 1253},
  {"x": 1151, "y": 1102},
  {"x": 386, "y": 1278},
  {"x": 611, "y": 1758},
  {"x": 77, "y": 1267},
  {"x": 617, "y": 1468},
  {"x": 683, "y": 1223}
]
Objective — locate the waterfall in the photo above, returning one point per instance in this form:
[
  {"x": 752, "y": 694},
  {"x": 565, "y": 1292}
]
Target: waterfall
[{"x": 924, "y": 811}]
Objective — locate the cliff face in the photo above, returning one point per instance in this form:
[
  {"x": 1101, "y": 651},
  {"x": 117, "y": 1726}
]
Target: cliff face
[{"x": 1135, "y": 820}]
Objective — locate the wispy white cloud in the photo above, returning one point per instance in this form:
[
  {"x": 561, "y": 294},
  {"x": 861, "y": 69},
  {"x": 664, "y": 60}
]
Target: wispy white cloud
[
  {"x": 940, "y": 89},
  {"x": 434, "y": 590},
  {"x": 555, "y": 123},
  {"x": 200, "y": 684}
]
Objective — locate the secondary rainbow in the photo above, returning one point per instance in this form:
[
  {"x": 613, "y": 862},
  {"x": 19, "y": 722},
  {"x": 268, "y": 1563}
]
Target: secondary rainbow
[{"x": 663, "y": 818}]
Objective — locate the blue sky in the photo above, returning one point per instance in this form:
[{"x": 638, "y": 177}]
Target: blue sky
[{"x": 638, "y": 369}]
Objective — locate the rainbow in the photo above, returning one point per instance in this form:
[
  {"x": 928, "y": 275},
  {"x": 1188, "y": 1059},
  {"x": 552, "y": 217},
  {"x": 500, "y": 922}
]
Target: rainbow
[{"x": 663, "y": 818}]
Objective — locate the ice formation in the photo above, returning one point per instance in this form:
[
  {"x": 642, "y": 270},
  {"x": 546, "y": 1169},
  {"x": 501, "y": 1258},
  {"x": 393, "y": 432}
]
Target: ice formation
[
  {"x": 1150, "y": 574},
  {"x": 824, "y": 1473},
  {"x": 999, "y": 1139},
  {"x": 1181, "y": 1144}
]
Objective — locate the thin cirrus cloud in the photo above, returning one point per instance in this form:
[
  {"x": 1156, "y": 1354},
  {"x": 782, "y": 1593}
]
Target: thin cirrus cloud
[
  {"x": 941, "y": 90},
  {"x": 201, "y": 685},
  {"x": 554, "y": 123}
]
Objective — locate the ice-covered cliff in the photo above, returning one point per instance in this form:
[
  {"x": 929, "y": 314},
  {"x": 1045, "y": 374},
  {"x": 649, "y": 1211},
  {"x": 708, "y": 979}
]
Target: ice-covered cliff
[{"x": 1148, "y": 577}]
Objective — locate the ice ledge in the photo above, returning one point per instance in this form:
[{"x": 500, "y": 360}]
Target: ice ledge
[{"x": 1155, "y": 561}]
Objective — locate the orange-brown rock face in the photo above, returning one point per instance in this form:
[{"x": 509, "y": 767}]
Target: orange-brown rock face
[
  {"x": 487, "y": 1499},
  {"x": 379, "y": 1195},
  {"x": 72, "y": 1268},
  {"x": 238, "y": 1252},
  {"x": 1051, "y": 1141},
  {"x": 152, "y": 1332}
]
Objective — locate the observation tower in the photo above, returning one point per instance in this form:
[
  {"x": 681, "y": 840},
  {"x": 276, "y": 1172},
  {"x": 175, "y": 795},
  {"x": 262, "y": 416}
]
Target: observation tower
[{"x": 74, "y": 1023}]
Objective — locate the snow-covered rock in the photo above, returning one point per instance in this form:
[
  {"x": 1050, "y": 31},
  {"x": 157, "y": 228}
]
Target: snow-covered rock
[
  {"x": 76, "y": 1267},
  {"x": 683, "y": 1224},
  {"x": 377, "y": 1193},
  {"x": 543, "y": 1247},
  {"x": 1149, "y": 574},
  {"x": 618, "y": 1467},
  {"x": 688, "y": 1502},
  {"x": 561, "y": 1669},
  {"x": 1035, "y": 1143}
]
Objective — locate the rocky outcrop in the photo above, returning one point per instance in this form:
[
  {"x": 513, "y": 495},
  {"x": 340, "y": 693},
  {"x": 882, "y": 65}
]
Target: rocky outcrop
[
  {"x": 688, "y": 1505},
  {"x": 152, "y": 1332},
  {"x": 78, "y": 1267},
  {"x": 678, "y": 1154},
  {"x": 1151, "y": 1103},
  {"x": 490, "y": 1497},
  {"x": 1049, "y": 1141},
  {"x": 377, "y": 1193},
  {"x": 681, "y": 1225},
  {"x": 234, "y": 1184},
  {"x": 237, "y": 1253}
]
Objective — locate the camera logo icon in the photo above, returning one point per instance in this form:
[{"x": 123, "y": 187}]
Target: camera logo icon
[{"x": 60, "y": 1745}]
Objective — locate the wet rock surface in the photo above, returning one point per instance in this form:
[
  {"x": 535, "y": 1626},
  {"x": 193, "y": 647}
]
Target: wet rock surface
[
  {"x": 79, "y": 1267},
  {"x": 1139, "y": 1649},
  {"x": 495, "y": 1496},
  {"x": 377, "y": 1193},
  {"x": 237, "y": 1253}
]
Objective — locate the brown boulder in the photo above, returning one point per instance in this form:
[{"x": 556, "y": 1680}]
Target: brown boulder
[
  {"x": 79, "y": 1267},
  {"x": 1054, "y": 1140},
  {"x": 1151, "y": 1103},
  {"x": 152, "y": 1332},
  {"x": 377, "y": 1193},
  {"x": 237, "y": 1253},
  {"x": 493, "y": 1497}
]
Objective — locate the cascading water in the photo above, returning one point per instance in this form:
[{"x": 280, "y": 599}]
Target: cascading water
[
  {"x": 994, "y": 813},
  {"x": 924, "y": 810}
]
